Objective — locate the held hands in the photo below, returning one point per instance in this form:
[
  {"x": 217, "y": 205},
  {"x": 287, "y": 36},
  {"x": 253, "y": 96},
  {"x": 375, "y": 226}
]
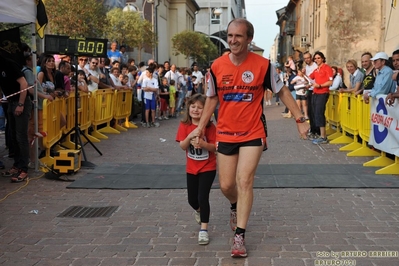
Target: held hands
[{"x": 197, "y": 134}]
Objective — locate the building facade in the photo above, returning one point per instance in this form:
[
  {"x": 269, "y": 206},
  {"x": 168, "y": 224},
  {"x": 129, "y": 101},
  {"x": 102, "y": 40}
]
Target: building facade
[
  {"x": 168, "y": 17},
  {"x": 341, "y": 29},
  {"x": 214, "y": 16}
]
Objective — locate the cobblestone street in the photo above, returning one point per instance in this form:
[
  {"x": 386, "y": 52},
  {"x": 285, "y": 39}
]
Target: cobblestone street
[{"x": 287, "y": 227}]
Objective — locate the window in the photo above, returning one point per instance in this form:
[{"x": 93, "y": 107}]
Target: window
[{"x": 215, "y": 19}]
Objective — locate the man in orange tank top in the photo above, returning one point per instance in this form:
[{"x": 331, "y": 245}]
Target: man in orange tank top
[{"x": 238, "y": 81}]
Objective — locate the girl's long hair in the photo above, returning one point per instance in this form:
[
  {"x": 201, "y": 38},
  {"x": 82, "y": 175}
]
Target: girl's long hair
[{"x": 198, "y": 97}]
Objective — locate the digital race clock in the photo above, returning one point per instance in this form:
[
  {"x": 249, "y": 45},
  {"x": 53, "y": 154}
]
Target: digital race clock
[{"x": 93, "y": 47}]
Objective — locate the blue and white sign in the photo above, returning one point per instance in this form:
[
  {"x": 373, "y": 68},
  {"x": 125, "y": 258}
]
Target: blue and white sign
[{"x": 384, "y": 133}]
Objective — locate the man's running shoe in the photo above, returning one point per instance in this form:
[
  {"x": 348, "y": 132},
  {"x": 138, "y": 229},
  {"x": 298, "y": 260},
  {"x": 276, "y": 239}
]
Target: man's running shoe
[
  {"x": 238, "y": 250},
  {"x": 233, "y": 219}
]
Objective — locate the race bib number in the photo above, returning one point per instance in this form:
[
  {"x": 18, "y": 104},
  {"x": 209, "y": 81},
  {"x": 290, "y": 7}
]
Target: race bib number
[{"x": 197, "y": 154}]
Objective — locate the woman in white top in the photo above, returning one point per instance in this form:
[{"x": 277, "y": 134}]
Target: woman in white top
[
  {"x": 337, "y": 81},
  {"x": 300, "y": 88}
]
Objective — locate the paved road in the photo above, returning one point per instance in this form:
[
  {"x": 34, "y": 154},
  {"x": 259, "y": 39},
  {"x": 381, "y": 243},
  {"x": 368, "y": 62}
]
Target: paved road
[{"x": 287, "y": 227}]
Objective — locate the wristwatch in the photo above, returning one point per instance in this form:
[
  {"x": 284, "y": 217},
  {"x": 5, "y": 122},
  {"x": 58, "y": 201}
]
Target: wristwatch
[
  {"x": 20, "y": 104},
  {"x": 301, "y": 120}
]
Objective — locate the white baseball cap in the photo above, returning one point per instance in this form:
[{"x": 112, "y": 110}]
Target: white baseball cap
[{"x": 380, "y": 55}]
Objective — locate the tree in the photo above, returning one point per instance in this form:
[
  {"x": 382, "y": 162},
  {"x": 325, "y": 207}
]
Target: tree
[
  {"x": 76, "y": 18},
  {"x": 194, "y": 45},
  {"x": 24, "y": 30},
  {"x": 129, "y": 28}
]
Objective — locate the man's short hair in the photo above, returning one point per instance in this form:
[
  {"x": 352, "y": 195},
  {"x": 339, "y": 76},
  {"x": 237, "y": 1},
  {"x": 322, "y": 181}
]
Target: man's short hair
[
  {"x": 367, "y": 53},
  {"x": 250, "y": 27}
]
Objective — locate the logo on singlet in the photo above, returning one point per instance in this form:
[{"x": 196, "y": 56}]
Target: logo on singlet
[{"x": 247, "y": 76}]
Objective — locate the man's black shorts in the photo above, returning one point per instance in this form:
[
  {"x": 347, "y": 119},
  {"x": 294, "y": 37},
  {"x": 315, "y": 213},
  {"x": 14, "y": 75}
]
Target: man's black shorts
[{"x": 233, "y": 148}]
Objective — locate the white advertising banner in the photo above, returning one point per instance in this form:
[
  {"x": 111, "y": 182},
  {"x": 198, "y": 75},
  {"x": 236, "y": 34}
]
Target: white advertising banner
[{"x": 384, "y": 133}]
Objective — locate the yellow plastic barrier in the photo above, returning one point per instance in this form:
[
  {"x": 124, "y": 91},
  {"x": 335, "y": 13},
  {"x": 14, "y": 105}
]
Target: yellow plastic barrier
[
  {"x": 83, "y": 114},
  {"x": 350, "y": 121},
  {"x": 52, "y": 126},
  {"x": 123, "y": 106},
  {"x": 333, "y": 115},
  {"x": 103, "y": 108},
  {"x": 345, "y": 114},
  {"x": 364, "y": 131}
]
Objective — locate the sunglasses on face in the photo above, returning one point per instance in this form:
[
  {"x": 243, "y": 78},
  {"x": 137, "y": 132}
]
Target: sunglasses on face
[
  {"x": 94, "y": 63},
  {"x": 83, "y": 59}
]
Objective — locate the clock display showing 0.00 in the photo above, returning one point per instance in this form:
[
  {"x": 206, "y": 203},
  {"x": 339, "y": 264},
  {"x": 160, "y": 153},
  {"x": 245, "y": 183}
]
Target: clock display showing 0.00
[
  {"x": 91, "y": 47},
  {"x": 55, "y": 44}
]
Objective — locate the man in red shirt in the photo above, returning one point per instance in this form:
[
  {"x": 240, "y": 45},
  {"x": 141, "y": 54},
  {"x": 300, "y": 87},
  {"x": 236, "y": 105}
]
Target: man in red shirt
[{"x": 238, "y": 81}]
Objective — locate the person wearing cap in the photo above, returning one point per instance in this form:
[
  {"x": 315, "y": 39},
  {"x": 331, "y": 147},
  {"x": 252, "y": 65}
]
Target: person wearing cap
[
  {"x": 390, "y": 99},
  {"x": 383, "y": 83}
]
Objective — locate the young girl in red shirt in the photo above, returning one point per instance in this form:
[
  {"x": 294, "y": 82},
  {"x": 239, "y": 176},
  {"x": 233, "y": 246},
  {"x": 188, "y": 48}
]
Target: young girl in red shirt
[{"x": 201, "y": 162}]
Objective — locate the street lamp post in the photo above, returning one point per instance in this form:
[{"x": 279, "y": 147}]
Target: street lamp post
[
  {"x": 218, "y": 12},
  {"x": 129, "y": 7}
]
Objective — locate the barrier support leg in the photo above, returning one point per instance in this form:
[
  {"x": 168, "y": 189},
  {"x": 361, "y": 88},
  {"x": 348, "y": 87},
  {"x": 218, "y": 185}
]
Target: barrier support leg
[
  {"x": 352, "y": 146},
  {"x": 381, "y": 161},
  {"x": 331, "y": 131},
  {"x": 120, "y": 128},
  {"x": 363, "y": 151},
  {"x": 343, "y": 139},
  {"x": 128, "y": 124},
  {"x": 97, "y": 134},
  {"x": 392, "y": 169},
  {"x": 109, "y": 129},
  {"x": 67, "y": 143},
  {"x": 335, "y": 135},
  {"x": 91, "y": 138}
]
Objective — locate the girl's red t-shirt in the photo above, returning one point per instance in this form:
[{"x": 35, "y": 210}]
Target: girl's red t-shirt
[{"x": 198, "y": 160}]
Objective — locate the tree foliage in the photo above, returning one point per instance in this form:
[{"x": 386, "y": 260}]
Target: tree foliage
[
  {"x": 129, "y": 28},
  {"x": 194, "y": 45},
  {"x": 76, "y": 18},
  {"x": 25, "y": 31}
]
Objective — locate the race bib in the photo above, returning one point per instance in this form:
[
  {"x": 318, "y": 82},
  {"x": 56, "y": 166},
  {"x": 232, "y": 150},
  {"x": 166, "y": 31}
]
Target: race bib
[{"x": 197, "y": 154}]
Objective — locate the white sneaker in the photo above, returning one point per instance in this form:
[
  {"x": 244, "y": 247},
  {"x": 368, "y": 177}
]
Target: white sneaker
[
  {"x": 269, "y": 102},
  {"x": 203, "y": 238},
  {"x": 197, "y": 217}
]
